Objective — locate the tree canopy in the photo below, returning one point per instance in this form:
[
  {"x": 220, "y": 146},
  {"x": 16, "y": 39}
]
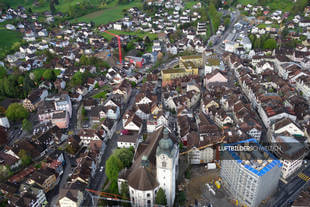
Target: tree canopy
[
  {"x": 160, "y": 198},
  {"x": 49, "y": 75},
  {"x": 27, "y": 125},
  {"x": 112, "y": 167},
  {"x": 25, "y": 158},
  {"x": 16, "y": 112},
  {"x": 270, "y": 44},
  {"x": 125, "y": 156}
]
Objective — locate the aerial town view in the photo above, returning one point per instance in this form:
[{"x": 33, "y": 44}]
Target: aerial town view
[{"x": 152, "y": 103}]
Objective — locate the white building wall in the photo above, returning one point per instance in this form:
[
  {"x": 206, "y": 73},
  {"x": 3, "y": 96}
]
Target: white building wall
[{"x": 142, "y": 198}]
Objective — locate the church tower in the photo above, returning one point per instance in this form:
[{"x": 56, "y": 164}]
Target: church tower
[{"x": 167, "y": 157}]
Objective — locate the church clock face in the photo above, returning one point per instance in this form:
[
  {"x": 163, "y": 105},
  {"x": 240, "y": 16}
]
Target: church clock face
[
  {"x": 163, "y": 157},
  {"x": 163, "y": 162}
]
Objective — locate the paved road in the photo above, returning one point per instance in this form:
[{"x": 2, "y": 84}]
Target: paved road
[
  {"x": 96, "y": 183},
  {"x": 62, "y": 182},
  {"x": 217, "y": 47},
  {"x": 288, "y": 192}
]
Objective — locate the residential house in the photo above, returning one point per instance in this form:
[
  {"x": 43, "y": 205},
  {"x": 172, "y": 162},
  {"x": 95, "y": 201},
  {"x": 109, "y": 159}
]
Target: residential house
[
  {"x": 128, "y": 140},
  {"x": 215, "y": 77},
  {"x": 4, "y": 122},
  {"x": 287, "y": 126},
  {"x": 133, "y": 123},
  {"x": 44, "y": 178},
  {"x": 109, "y": 126},
  {"x": 88, "y": 135},
  {"x": 34, "y": 98}
]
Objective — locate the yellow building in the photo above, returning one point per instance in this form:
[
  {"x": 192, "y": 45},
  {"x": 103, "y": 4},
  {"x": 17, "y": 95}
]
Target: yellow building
[
  {"x": 188, "y": 65},
  {"x": 195, "y": 59}
]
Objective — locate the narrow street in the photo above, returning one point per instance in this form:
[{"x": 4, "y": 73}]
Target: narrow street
[
  {"x": 96, "y": 183},
  {"x": 53, "y": 195}
]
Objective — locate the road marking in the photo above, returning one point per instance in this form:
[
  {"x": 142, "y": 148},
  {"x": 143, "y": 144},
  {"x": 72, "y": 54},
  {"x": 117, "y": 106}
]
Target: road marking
[{"x": 304, "y": 177}]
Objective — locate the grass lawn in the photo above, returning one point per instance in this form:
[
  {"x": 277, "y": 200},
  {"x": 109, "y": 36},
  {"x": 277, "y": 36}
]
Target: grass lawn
[
  {"x": 137, "y": 33},
  {"x": 190, "y": 4},
  {"x": 284, "y": 5},
  {"x": 63, "y": 5},
  {"x": 15, "y": 3},
  {"x": 246, "y": 2},
  {"x": 8, "y": 38},
  {"x": 40, "y": 71},
  {"x": 112, "y": 13},
  {"x": 102, "y": 94},
  {"x": 263, "y": 26}
]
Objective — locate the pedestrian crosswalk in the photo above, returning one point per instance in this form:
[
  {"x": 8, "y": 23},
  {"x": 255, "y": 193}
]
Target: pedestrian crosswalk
[{"x": 303, "y": 176}]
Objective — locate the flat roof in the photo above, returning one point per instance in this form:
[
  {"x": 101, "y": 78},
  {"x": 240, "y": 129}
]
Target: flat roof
[
  {"x": 213, "y": 61},
  {"x": 258, "y": 162},
  {"x": 191, "y": 57},
  {"x": 189, "y": 64},
  {"x": 173, "y": 70}
]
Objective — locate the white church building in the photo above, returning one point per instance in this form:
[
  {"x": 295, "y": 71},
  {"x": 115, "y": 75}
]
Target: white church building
[{"x": 155, "y": 166}]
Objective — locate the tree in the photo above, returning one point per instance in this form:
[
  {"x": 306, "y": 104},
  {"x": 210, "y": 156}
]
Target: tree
[
  {"x": 3, "y": 72},
  {"x": 49, "y": 75},
  {"x": 52, "y": 6},
  {"x": 125, "y": 156},
  {"x": 27, "y": 125},
  {"x": 16, "y": 112},
  {"x": 160, "y": 198},
  {"x": 181, "y": 198},
  {"x": 124, "y": 190},
  {"x": 252, "y": 38},
  {"x": 83, "y": 113},
  {"x": 227, "y": 21},
  {"x": 257, "y": 43},
  {"x": 188, "y": 173},
  {"x": 130, "y": 46},
  {"x": 84, "y": 60},
  {"x": 27, "y": 85},
  {"x": 78, "y": 79},
  {"x": 25, "y": 158},
  {"x": 299, "y": 6},
  {"x": 113, "y": 188},
  {"x": 133, "y": 84},
  {"x": 112, "y": 167},
  {"x": 270, "y": 44}
]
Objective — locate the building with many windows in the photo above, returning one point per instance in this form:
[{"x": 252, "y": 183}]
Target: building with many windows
[{"x": 250, "y": 175}]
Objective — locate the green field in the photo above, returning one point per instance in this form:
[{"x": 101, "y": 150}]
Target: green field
[
  {"x": 263, "y": 26},
  {"x": 114, "y": 12},
  {"x": 63, "y": 5},
  {"x": 15, "y": 3},
  {"x": 8, "y": 38},
  {"x": 190, "y": 4},
  {"x": 284, "y": 5},
  {"x": 102, "y": 94},
  {"x": 246, "y": 2},
  {"x": 136, "y": 33}
]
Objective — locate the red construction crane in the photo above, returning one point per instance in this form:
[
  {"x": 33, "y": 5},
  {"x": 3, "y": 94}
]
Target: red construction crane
[
  {"x": 108, "y": 196},
  {"x": 119, "y": 45},
  {"x": 111, "y": 197}
]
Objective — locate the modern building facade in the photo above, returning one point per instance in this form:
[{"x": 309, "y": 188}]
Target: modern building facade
[{"x": 250, "y": 176}]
